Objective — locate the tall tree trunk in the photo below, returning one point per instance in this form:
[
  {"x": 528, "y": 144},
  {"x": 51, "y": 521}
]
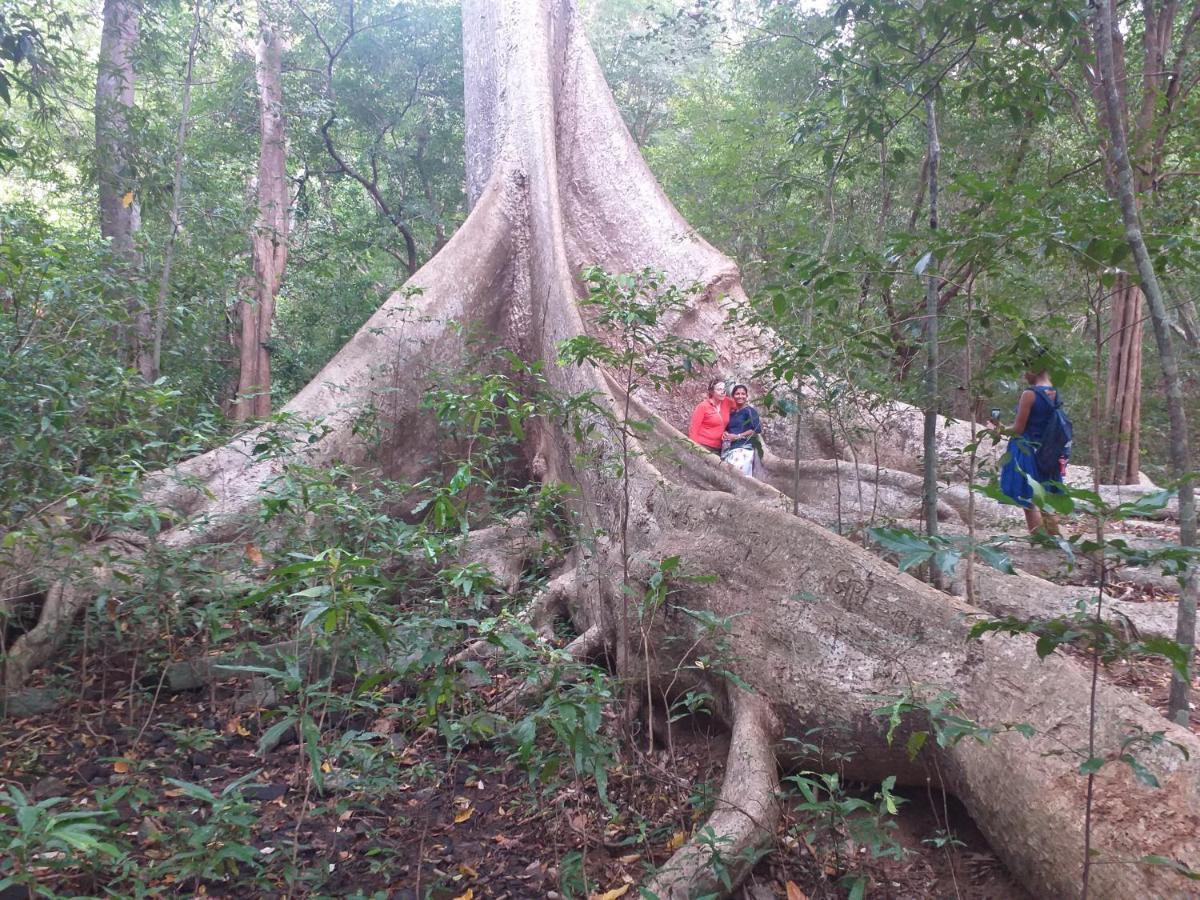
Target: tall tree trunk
[
  {"x": 269, "y": 240},
  {"x": 1181, "y": 456},
  {"x": 1166, "y": 51},
  {"x": 1123, "y": 389},
  {"x": 817, "y": 628},
  {"x": 929, "y": 500},
  {"x": 175, "y": 220},
  {"x": 120, "y": 208}
]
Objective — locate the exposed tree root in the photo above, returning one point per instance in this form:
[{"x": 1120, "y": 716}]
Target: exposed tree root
[
  {"x": 549, "y": 603},
  {"x": 65, "y": 597},
  {"x": 504, "y": 550},
  {"x": 1027, "y": 596},
  {"x": 744, "y": 817}
]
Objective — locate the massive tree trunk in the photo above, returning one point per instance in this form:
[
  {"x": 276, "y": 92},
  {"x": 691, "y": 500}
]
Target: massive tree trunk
[
  {"x": 818, "y": 628},
  {"x": 120, "y": 206},
  {"x": 269, "y": 240}
]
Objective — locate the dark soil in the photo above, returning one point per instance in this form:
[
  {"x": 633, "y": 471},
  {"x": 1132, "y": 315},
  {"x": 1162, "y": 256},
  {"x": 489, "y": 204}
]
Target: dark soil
[{"x": 430, "y": 822}]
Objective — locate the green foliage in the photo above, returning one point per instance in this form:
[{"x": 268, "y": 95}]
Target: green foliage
[
  {"x": 77, "y": 428},
  {"x": 635, "y": 309},
  {"x": 912, "y": 549},
  {"x": 942, "y": 714},
  {"x": 39, "y": 836},
  {"x": 216, "y": 843},
  {"x": 830, "y": 816}
]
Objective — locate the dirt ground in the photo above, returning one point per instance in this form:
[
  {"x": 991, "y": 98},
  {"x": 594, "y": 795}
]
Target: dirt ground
[{"x": 466, "y": 824}]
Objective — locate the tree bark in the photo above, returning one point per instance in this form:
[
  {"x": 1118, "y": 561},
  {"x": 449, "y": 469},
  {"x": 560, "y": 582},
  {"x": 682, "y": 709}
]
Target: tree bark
[
  {"x": 269, "y": 240},
  {"x": 817, "y": 627},
  {"x": 1123, "y": 388},
  {"x": 120, "y": 207},
  {"x": 1181, "y": 456},
  {"x": 1164, "y": 87},
  {"x": 929, "y": 502},
  {"x": 175, "y": 220}
]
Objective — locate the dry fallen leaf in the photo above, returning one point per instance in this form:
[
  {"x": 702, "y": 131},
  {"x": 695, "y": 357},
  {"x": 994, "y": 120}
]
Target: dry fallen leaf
[
  {"x": 254, "y": 555},
  {"x": 383, "y": 725},
  {"x": 121, "y": 767},
  {"x": 468, "y": 894},
  {"x": 464, "y": 815},
  {"x": 794, "y": 892},
  {"x": 611, "y": 895},
  {"x": 676, "y": 840},
  {"x": 127, "y": 199}
]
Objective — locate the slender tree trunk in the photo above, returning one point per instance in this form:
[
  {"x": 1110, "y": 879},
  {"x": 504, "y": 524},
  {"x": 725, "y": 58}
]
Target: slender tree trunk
[
  {"x": 1123, "y": 388},
  {"x": 120, "y": 209},
  {"x": 1181, "y": 457},
  {"x": 176, "y": 222},
  {"x": 269, "y": 241},
  {"x": 929, "y": 505},
  {"x": 1166, "y": 52}
]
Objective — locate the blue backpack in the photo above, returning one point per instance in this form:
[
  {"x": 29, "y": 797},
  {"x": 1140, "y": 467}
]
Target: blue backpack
[{"x": 1056, "y": 439}]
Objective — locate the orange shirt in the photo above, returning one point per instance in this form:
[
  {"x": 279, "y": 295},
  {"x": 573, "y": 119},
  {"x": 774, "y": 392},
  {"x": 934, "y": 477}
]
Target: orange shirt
[{"x": 709, "y": 421}]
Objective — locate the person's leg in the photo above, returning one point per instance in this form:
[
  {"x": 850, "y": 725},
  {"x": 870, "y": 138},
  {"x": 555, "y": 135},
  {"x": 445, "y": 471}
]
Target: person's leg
[{"x": 1035, "y": 519}]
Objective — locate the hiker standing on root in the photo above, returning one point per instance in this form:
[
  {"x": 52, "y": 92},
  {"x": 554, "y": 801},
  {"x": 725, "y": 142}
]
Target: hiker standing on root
[{"x": 1038, "y": 405}]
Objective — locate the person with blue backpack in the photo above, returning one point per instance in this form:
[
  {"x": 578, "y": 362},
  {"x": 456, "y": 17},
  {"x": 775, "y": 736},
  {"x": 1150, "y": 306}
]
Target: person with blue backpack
[{"x": 1039, "y": 449}]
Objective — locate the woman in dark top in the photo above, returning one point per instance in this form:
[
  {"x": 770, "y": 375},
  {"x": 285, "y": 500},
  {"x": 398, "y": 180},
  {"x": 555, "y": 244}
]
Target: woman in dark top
[
  {"x": 744, "y": 425},
  {"x": 1034, "y": 409}
]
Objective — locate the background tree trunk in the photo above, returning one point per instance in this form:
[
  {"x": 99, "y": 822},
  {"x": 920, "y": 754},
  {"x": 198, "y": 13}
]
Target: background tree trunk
[
  {"x": 175, "y": 220},
  {"x": 1181, "y": 456},
  {"x": 929, "y": 501},
  {"x": 120, "y": 207},
  {"x": 1165, "y": 86},
  {"x": 269, "y": 240},
  {"x": 1123, "y": 388}
]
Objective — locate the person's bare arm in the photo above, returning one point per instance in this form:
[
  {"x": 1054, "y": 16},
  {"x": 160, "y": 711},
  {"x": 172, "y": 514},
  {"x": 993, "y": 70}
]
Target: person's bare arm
[{"x": 1024, "y": 405}]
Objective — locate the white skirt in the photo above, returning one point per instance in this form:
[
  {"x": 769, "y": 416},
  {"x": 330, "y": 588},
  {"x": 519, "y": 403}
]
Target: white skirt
[{"x": 741, "y": 458}]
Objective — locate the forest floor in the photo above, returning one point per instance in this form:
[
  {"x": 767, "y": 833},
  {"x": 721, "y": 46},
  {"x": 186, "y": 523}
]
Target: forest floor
[
  {"x": 198, "y": 807},
  {"x": 459, "y": 825},
  {"x": 441, "y": 825}
]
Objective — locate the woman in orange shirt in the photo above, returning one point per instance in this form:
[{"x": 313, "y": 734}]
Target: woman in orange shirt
[{"x": 710, "y": 417}]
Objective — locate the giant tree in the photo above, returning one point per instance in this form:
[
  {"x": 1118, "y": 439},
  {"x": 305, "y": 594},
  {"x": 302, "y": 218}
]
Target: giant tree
[{"x": 819, "y": 629}]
